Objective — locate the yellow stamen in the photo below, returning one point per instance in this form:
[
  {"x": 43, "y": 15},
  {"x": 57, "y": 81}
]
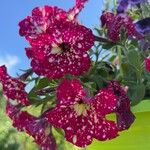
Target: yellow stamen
[{"x": 81, "y": 109}]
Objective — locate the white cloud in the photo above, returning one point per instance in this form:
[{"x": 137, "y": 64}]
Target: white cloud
[{"x": 9, "y": 60}]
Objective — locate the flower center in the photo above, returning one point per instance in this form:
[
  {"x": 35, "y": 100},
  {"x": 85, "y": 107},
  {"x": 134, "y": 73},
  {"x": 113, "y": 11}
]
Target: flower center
[
  {"x": 63, "y": 47},
  {"x": 81, "y": 108}
]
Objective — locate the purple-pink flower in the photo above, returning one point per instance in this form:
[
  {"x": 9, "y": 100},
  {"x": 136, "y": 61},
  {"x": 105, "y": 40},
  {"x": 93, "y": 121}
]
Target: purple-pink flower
[
  {"x": 81, "y": 117},
  {"x": 38, "y": 128},
  {"x": 59, "y": 45},
  {"x": 43, "y": 18},
  {"x": 13, "y": 88},
  {"x": 143, "y": 26},
  {"x": 123, "y": 113},
  {"x": 62, "y": 52},
  {"x": 123, "y": 4},
  {"x": 116, "y": 23}
]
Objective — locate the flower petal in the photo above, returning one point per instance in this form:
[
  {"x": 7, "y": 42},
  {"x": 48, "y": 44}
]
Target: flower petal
[
  {"x": 59, "y": 116},
  {"x": 73, "y": 12},
  {"x": 123, "y": 4},
  {"x": 70, "y": 91},
  {"x": 13, "y": 88},
  {"x": 42, "y": 18},
  {"x": 35, "y": 127},
  {"x": 124, "y": 115},
  {"x": 143, "y": 26},
  {"x": 77, "y": 128},
  {"x": 105, "y": 130},
  {"x": 79, "y": 134},
  {"x": 147, "y": 64},
  {"x": 104, "y": 102}
]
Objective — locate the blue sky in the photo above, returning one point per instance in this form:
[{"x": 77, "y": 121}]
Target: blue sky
[{"x": 12, "y": 11}]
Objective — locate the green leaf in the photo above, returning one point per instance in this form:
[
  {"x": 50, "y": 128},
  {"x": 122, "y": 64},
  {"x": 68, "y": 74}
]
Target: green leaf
[
  {"x": 135, "y": 61},
  {"x": 108, "y": 45},
  {"x": 136, "y": 138},
  {"x": 143, "y": 106},
  {"x": 136, "y": 93},
  {"x": 42, "y": 82}
]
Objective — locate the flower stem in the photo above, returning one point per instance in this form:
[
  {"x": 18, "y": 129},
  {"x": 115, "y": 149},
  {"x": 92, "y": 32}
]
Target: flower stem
[{"x": 101, "y": 39}]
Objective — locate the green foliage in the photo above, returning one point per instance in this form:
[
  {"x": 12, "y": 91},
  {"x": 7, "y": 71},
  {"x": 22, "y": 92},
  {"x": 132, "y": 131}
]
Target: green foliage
[{"x": 136, "y": 93}]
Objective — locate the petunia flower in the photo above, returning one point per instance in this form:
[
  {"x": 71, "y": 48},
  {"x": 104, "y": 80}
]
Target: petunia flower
[
  {"x": 116, "y": 23},
  {"x": 124, "y": 4},
  {"x": 62, "y": 52},
  {"x": 143, "y": 26},
  {"x": 33, "y": 126},
  {"x": 147, "y": 64},
  {"x": 123, "y": 113},
  {"x": 81, "y": 117},
  {"x": 59, "y": 44},
  {"x": 107, "y": 18},
  {"x": 13, "y": 88},
  {"x": 43, "y": 18}
]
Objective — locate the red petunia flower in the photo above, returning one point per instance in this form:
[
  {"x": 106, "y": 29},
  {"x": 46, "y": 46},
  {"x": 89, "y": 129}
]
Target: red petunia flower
[
  {"x": 33, "y": 126},
  {"x": 115, "y": 23},
  {"x": 147, "y": 64},
  {"x": 123, "y": 112},
  {"x": 83, "y": 118},
  {"x": 13, "y": 88},
  {"x": 59, "y": 44},
  {"x": 63, "y": 52},
  {"x": 43, "y": 18},
  {"x": 107, "y": 18}
]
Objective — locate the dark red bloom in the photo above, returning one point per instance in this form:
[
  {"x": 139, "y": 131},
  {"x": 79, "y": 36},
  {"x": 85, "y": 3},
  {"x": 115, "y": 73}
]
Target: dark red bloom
[
  {"x": 13, "y": 88},
  {"x": 116, "y": 23},
  {"x": 59, "y": 44},
  {"x": 124, "y": 115},
  {"x": 43, "y": 18},
  {"x": 147, "y": 64},
  {"x": 107, "y": 18},
  {"x": 63, "y": 52},
  {"x": 81, "y": 117},
  {"x": 36, "y": 127}
]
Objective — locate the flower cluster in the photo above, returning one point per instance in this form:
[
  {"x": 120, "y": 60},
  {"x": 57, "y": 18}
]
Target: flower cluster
[
  {"x": 117, "y": 23},
  {"x": 77, "y": 94}
]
